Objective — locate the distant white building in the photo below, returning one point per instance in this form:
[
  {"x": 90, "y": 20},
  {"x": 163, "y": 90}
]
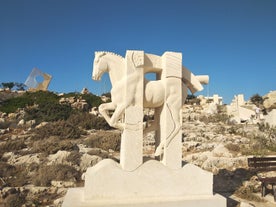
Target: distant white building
[
  {"x": 215, "y": 99},
  {"x": 238, "y": 100}
]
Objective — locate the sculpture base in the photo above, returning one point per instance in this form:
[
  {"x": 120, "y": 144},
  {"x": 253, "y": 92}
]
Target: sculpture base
[
  {"x": 151, "y": 184},
  {"x": 74, "y": 198}
]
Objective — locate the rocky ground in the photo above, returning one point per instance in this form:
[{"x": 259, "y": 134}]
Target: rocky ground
[{"x": 38, "y": 172}]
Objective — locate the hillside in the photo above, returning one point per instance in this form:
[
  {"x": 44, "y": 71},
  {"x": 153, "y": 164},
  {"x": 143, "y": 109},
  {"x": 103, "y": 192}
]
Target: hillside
[{"x": 48, "y": 141}]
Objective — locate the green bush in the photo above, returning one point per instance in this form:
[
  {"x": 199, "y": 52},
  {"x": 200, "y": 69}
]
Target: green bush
[
  {"x": 48, "y": 112},
  {"x": 256, "y": 99},
  {"x": 59, "y": 172},
  {"x": 92, "y": 100},
  {"x": 28, "y": 99}
]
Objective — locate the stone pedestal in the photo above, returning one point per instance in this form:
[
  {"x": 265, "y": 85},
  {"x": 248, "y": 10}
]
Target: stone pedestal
[{"x": 152, "y": 184}]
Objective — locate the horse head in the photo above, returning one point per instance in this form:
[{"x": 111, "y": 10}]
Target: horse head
[{"x": 100, "y": 66}]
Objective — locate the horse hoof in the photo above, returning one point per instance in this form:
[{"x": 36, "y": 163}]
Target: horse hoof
[{"x": 158, "y": 152}]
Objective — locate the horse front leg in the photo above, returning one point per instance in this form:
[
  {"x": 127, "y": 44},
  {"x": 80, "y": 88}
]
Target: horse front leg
[
  {"x": 114, "y": 121},
  {"x": 104, "y": 108}
]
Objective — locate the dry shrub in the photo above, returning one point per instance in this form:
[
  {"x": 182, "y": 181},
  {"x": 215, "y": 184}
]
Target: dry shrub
[
  {"x": 6, "y": 169},
  {"x": 74, "y": 158},
  {"x": 99, "y": 152},
  {"x": 12, "y": 145},
  {"x": 15, "y": 200},
  {"x": 215, "y": 118},
  {"x": 233, "y": 147},
  {"x": 88, "y": 121},
  {"x": 62, "y": 129},
  {"x": 13, "y": 176},
  {"x": 220, "y": 129},
  {"x": 52, "y": 145},
  {"x": 247, "y": 192},
  {"x": 105, "y": 140},
  {"x": 43, "y": 198},
  {"x": 61, "y": 172},
  {"x": 5, "y": 125}
]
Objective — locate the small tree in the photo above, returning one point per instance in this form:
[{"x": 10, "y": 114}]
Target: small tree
[
  {"x": 20, "y": 86},
  {"x": 256, "y": 99},
  {"x": 8, "y": 85}
]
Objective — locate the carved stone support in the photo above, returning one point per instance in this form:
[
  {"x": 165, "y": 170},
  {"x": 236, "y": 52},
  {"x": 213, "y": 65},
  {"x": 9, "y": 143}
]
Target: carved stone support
[
  {"x": 171, "y": 117},
  {"x": 131, "y": 156}
]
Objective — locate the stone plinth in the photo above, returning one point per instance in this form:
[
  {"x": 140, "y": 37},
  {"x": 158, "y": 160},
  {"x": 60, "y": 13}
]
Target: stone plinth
[{"x": 151, "y": 184}]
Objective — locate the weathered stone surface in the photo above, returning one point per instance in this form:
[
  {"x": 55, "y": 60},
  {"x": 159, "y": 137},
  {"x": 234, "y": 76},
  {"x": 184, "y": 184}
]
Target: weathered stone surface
[
  {"x": 59, "y": 158},
  {"x": 270, "y": 118},
  {"x": 88, "y": 161},
  {"x": 270, "y": 100}
]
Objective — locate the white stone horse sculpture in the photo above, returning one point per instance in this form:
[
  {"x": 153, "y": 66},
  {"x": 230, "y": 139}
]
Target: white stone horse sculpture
[{"x": 154, "y": 93}]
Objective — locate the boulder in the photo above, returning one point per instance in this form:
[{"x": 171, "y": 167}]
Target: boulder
[
  {"x": 22, "y": 160},
  {"x": 270, "y": 100},
  {"x": 270, "y": 118},
  {"x": 59, "y": 158},
  {"x": 21, "y": 122},
  {"x": 221, "y": 151},
  {"x": 88, "y": 161}
]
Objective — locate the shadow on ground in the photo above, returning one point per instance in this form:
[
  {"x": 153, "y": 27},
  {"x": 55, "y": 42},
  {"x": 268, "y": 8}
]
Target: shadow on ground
[{"x": 227, "y": 182}]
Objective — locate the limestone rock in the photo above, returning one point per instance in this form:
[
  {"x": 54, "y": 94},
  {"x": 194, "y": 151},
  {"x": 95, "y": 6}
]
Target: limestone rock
[
  {"x": 244, "y": 204},
  {"x": 42, "y": 124},
  {"x": 221, "y": 151},
  {"x": 21, "y": 122},
  {"x": 270, "y": 118},
  {"x": 88, "y": 161},
  {"x": 63, "y": 184},
  {"x": 270, "y": 100},
  {"x": 30, "y": 123},
  {"x": 58, "y": 158},
  {"x": 19, "y": 160}
]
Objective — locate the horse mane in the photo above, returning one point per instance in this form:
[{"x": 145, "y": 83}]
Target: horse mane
[{"x": 101, "y": 53}]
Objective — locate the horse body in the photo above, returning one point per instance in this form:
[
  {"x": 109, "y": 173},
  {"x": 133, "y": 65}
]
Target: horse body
[{"x": 154, "y": 93}]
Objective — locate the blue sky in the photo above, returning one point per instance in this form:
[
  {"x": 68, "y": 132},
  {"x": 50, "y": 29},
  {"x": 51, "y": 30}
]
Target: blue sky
[{"x": 233, "y": 41}]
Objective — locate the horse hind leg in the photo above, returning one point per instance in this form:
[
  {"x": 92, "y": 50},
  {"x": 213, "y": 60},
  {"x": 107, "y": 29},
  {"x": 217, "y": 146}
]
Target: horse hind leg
[{"x": 175, "y": 119}]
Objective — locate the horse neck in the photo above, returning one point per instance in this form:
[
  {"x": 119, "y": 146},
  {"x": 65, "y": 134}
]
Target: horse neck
[{"x": 116, "y": 68}]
